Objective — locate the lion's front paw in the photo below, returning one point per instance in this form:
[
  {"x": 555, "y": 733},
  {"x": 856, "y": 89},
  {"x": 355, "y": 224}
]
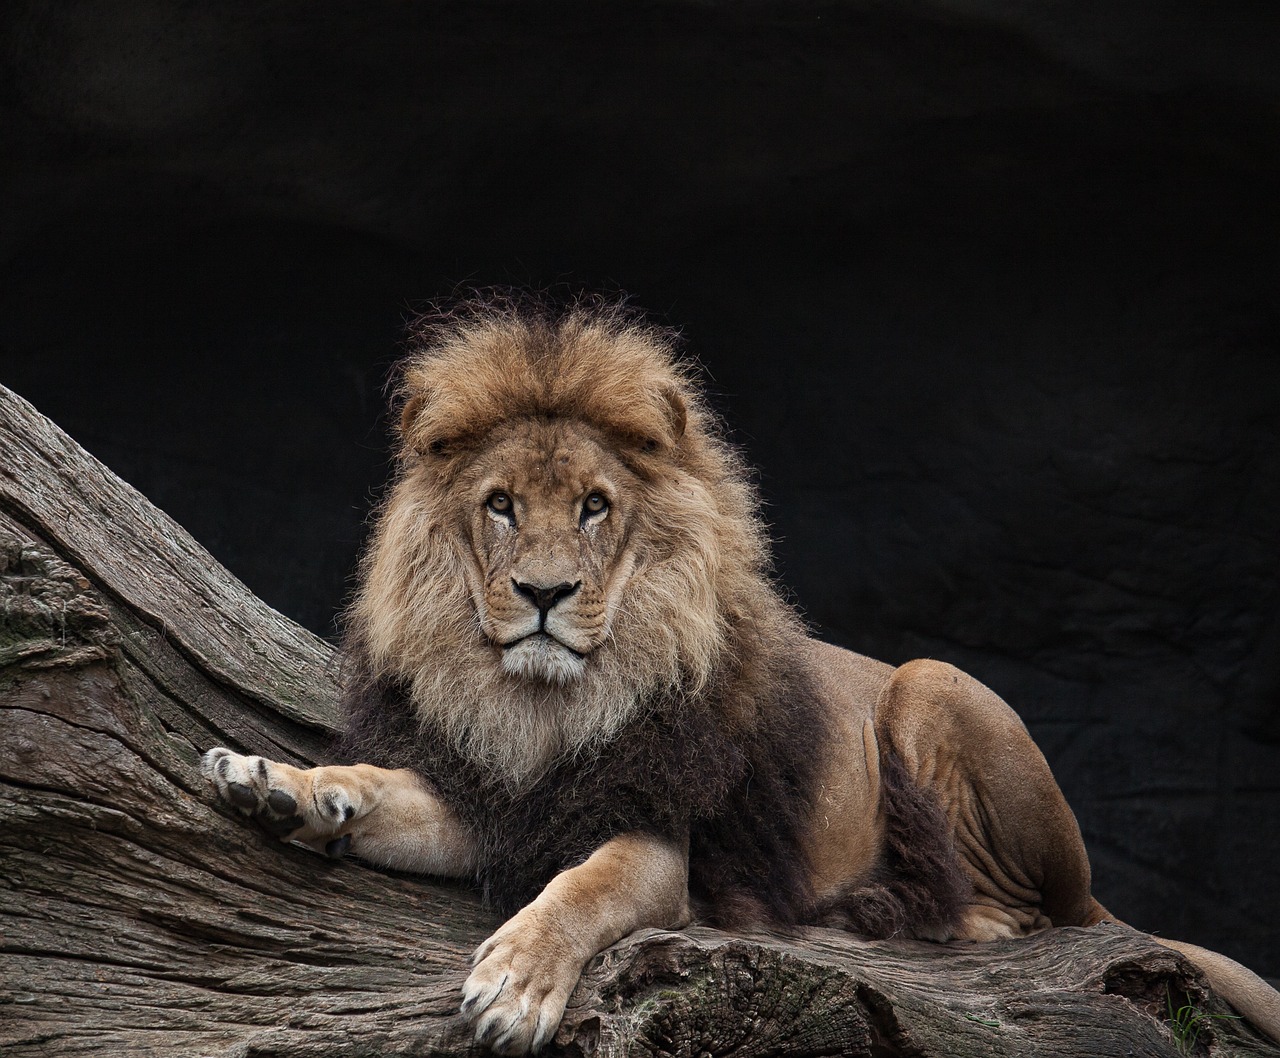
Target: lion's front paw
[
  {"x": 519, "y": 984},
  {"x": 245, "y": 784},
  {"x": 285, "y": 801}
]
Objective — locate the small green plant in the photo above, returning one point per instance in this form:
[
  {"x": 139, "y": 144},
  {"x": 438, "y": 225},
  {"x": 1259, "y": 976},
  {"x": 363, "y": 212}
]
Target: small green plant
[
  {"x": 990, "y": 1023},
  {"x": 1187, "y": 1020}
]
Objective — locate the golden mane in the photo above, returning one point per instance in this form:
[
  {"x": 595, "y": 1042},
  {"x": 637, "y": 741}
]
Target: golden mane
[
  {"x": 703, "y": 573},
  {"x": 474, "y": 373}
]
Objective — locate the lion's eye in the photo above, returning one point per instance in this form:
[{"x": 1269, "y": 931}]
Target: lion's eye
[
  {"x": 500, "y": 503},
  {"x": 594, "y": 504}
]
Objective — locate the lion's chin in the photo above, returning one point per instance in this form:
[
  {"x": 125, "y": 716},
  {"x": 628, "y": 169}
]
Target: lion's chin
[{"x": 539, "y": 657}]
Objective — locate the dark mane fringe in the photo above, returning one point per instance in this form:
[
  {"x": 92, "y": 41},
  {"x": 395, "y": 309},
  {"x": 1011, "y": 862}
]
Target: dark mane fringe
[
  {"x": 747, "y": 863},
  {"x": 743, "y": 798},
  {"x": 919, "y": 887}
]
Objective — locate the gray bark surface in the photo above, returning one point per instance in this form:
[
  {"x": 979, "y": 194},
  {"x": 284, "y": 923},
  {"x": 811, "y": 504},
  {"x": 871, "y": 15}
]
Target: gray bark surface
[{"x": 137, "y": 917}]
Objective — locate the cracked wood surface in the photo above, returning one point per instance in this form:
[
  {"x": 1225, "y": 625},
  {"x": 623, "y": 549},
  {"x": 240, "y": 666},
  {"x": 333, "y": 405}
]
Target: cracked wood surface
[{"x": 139, "y": 918}]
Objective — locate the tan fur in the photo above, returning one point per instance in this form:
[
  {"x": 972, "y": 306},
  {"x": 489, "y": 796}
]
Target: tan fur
[{"x": 650, "y": 596}]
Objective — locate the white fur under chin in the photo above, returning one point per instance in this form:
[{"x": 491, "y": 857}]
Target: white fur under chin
[{"x": 539, "y": 657}]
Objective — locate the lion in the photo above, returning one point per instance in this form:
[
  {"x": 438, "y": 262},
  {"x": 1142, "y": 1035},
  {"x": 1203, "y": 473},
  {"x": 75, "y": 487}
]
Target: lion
[{"x": 571, "y": 678}]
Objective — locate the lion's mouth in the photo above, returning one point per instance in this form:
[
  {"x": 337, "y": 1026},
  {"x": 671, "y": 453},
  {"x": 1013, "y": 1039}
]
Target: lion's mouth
[
  {"x": 542, "y": 656},
  {"x": 544, "y": 636}
]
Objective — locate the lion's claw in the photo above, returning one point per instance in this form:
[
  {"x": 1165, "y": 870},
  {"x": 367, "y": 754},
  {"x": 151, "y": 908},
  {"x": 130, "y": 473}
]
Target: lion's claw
[{"x": 518, "y": 988}]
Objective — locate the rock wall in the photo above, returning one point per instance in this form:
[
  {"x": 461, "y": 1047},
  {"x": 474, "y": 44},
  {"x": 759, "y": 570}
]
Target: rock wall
[{"x": 988, "y": 292}]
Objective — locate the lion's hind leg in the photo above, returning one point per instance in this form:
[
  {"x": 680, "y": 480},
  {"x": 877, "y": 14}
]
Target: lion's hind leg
[
  {"x": 383, "y": 815},
  {"x": 1015, "y": 835}
]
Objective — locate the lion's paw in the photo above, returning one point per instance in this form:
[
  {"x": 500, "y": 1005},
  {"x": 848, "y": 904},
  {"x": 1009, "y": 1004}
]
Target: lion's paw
[
  {"x": 519, "y": 984},
  {"x": 285, "y": 801},
  {"x": 245, "y": 784}
]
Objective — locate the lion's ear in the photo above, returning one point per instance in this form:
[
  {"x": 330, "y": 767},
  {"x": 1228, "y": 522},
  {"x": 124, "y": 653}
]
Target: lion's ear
[
  {"x": 411, "y": 435},
  {"x": 677, "y": 413},
  {"x": 410, "y": 412}
]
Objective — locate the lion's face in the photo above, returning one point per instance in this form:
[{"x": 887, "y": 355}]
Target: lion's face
[{"x": 547, "y": 511}]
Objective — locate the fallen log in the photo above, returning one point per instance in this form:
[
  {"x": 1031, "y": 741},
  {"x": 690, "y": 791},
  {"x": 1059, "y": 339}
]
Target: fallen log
[{"x": 139, "y": 917}]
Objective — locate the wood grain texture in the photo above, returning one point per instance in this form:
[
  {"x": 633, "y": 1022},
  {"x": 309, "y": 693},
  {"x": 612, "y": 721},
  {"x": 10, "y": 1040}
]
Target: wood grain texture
[{"x": 136, "y": 917}]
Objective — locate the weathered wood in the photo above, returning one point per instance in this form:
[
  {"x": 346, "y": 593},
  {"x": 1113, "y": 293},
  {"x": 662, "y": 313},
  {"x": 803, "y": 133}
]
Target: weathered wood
[{"x": 139, "y": 918}]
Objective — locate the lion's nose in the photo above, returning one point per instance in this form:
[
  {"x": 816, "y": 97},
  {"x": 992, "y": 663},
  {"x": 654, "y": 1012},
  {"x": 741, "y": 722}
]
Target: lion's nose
[{"x": 545, "y": 598}]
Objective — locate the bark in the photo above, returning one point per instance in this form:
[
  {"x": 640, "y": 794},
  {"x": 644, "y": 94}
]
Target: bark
[{"x": 140, "y": 918}]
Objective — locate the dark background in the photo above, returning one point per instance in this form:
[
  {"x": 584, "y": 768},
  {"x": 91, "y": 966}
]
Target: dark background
[{"x": 988, "y": 291}]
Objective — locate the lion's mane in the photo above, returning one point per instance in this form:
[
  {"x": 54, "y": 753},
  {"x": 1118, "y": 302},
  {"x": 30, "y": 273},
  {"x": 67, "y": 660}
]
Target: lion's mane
[{"x": 704, "y": 558}]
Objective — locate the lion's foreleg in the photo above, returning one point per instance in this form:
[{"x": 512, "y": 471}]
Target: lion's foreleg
[
  {"x": 524, "y": 973},
  {"x": 385, "y": 816}
]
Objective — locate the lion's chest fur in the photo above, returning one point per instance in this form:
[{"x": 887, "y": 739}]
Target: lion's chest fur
[{"x": 743, "y": 796}]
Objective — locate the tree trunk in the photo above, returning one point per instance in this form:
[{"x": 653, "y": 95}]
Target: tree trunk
[{"x": 139, "y": 917}]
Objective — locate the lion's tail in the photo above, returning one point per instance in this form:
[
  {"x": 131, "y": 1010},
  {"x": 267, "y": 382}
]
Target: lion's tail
[{"x": 1240, "y": 986}]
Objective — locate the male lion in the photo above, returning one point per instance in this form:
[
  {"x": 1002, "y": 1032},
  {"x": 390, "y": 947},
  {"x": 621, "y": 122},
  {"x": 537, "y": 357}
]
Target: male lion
[{"x": 580, "y": 688}]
